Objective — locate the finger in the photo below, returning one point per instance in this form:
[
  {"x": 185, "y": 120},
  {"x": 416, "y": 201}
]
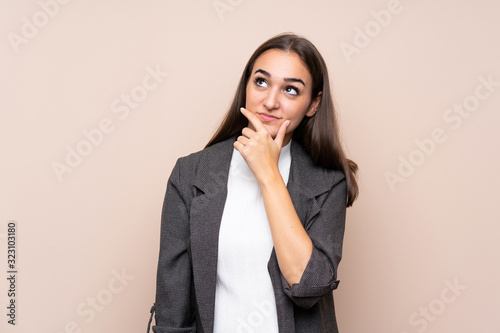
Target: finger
[
  {"x": 253, "y": 119},
  {"x": 239, "y": 146},
  {"x": 248, "y": 132},
  {"x": 243, "y": 140},
  {"x": 280, "y": 136}
]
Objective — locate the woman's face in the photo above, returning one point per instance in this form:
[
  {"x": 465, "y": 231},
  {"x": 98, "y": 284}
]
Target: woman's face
[{"x": 279, "y": 89}]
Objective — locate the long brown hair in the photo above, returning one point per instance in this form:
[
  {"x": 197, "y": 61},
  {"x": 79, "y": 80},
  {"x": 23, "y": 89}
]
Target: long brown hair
[{"x": 318, "y": 134}]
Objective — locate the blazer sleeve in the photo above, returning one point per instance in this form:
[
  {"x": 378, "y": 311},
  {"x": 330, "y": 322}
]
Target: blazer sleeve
[
  {"x": 175, "y": 311},
  {"x": 326, "y": 230}
]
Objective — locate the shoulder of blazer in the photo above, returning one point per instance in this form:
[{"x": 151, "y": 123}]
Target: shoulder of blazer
[{"x": 207, "y": 169}]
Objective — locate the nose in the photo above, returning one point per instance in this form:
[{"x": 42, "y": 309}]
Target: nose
[{"x": 271, "y": 101}]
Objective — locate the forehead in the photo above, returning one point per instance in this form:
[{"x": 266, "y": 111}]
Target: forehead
[{"x": 282, "y": 64}]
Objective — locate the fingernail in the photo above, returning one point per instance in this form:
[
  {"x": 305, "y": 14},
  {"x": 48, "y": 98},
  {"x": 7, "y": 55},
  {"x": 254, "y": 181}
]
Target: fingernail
[
  {"x": 242, "y": 108},
  {"x": 287, "y": 123}
]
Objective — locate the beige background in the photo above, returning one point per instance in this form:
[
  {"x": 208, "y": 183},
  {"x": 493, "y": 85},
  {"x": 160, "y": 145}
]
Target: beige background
[{"x": 405, "y": 243}]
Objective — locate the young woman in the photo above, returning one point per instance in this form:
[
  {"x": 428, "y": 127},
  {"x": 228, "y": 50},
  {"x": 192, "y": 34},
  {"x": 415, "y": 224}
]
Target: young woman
[{"x": 252, "y": 225}]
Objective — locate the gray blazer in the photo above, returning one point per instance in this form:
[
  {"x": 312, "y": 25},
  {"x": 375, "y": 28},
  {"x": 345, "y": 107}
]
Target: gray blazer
[{"x": 192, "y": 211}]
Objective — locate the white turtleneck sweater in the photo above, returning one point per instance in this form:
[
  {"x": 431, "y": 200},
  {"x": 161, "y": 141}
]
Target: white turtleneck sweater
[{"x": 244, "y": 297}]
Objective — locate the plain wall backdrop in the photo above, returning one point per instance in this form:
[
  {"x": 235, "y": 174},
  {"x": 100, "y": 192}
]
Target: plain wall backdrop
[{"x": 99, "y": 99}]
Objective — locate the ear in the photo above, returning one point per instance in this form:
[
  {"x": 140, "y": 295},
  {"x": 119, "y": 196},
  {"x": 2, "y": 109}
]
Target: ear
[{"x": 314, "y": 105}]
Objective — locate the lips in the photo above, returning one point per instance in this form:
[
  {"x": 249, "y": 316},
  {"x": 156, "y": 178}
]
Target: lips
[{"x": 267, "y": 117}]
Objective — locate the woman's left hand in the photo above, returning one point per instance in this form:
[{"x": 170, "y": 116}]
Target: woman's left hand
[{"x": 260, "y": 151}]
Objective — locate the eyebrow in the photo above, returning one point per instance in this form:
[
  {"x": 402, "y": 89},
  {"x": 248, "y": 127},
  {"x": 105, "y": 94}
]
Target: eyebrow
[{"x": 287, "y": 79}]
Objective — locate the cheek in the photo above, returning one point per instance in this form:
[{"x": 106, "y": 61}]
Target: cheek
[
  {"x": 252, "y": 98},
  {"x": 296, "y": 112},
  {"x": 293, "y": 125}
]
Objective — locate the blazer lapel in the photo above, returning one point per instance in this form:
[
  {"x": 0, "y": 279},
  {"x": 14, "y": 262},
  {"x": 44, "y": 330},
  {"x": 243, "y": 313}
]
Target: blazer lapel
[
  {"x": 206, "y": 212},
  {"x": 306, "y": 182}
]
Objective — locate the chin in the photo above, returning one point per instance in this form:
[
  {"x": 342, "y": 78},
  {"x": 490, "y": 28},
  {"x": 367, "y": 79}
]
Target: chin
[{"x": 273, "y": 131}]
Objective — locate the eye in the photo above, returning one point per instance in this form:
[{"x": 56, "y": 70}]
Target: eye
[
  {"x": 292, "y": 90},
  {"x": 261, "y": 82}
]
